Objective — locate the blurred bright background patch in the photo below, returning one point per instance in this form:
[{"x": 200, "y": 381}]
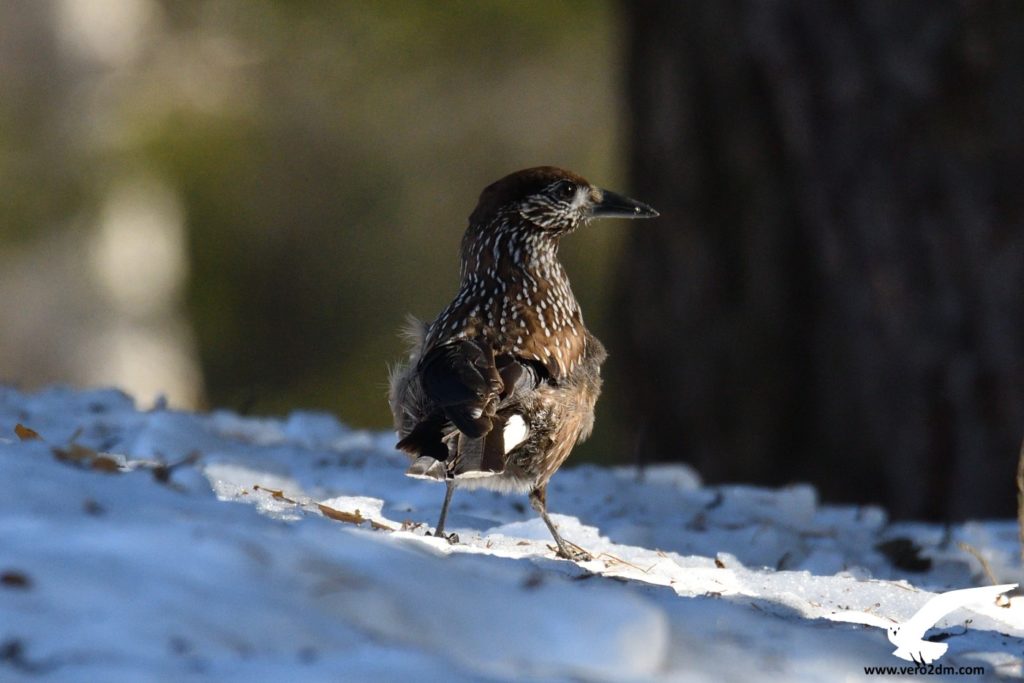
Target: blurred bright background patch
[{"x": 235, "y": 203}]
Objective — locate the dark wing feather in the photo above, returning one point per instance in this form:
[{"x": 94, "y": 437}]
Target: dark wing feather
[
  {"x": 427, "y": 438},
  {"x": 518, "y": 375},
  {"x": 462, "y": 380},
  {"x": 488, "y": 454}
]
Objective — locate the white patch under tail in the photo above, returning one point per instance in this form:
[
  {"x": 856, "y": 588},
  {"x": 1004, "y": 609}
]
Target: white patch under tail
[{"x": 515, "y": 432}]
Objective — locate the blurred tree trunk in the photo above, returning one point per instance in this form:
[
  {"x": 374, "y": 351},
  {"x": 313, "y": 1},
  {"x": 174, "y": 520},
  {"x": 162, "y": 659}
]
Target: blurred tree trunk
[{"x": 835, "y": 290}]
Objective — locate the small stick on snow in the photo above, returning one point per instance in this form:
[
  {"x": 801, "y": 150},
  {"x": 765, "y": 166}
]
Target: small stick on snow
[
  {"x": 968, "y": 548},
  {"x": 619, "y": 560}
]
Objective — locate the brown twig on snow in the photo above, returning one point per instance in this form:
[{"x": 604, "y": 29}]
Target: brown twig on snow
[{"x": 968, "y": 548}]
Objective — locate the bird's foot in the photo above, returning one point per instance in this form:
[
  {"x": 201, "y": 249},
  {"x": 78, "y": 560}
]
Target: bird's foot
[
  {"x": 452, "y": 538},
  {"x": 568, "y": 550}
]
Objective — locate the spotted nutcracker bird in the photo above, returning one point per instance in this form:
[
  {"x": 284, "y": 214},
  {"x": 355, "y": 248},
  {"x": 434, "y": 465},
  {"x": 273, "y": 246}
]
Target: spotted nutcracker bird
[{"x": 502, "y": 385}]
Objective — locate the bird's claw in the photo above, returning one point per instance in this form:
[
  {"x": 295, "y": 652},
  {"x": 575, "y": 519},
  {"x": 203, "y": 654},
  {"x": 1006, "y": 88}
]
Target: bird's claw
[
  {"x": 572, "y": 552},
  {"x": 576, "y": 555},
  {"x": 452, "y": 538}
]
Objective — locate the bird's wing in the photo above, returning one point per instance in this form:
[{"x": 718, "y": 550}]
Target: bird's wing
[
  {"x": 518, "y": 375},
  {"x": 944, "y": 603},
  {"x": 461, "y": 378},
  {"x": 865, "y": 618}
]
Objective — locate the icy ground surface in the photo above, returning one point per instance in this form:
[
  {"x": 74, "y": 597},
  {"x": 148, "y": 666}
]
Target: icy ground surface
[{"x": 294, "y": 549}]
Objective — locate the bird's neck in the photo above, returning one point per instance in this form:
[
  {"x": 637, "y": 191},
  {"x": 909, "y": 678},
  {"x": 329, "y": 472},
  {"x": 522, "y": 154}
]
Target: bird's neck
[
  {"x": 515, "y": 293},
  {"x": 511, "y": 262}
]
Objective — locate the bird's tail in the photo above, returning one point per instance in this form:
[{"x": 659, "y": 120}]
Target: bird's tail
[
  {"x": 482, "y": 457},
  {"x": 472, "y": 458},
  {"x": 426, "y": 467}
]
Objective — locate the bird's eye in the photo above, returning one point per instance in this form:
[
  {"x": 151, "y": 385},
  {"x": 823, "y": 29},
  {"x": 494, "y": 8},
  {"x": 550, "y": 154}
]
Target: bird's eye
[{"x": 567, "y": 190}]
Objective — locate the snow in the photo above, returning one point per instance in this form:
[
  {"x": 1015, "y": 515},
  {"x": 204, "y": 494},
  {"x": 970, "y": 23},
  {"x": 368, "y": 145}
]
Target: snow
[{"x": 295, "y": 549}]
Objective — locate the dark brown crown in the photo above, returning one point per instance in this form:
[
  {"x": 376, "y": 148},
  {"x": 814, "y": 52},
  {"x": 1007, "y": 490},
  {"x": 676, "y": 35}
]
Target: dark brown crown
[{"x": 516, "y": 187}]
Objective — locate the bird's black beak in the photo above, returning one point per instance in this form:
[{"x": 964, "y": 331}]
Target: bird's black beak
[{"x": 614, "y": 205}]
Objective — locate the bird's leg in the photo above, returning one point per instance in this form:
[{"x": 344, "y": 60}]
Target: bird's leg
[
  {"x": 439, "y": 531},
  {"x": 567, "y": 550}
]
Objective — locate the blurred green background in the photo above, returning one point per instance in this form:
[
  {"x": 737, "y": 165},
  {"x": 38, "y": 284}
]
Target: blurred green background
[{"x": 236, "y": 203}]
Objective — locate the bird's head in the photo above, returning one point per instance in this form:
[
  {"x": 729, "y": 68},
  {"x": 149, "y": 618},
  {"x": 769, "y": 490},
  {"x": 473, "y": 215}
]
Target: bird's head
[{"x": 552, "y": 201}]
